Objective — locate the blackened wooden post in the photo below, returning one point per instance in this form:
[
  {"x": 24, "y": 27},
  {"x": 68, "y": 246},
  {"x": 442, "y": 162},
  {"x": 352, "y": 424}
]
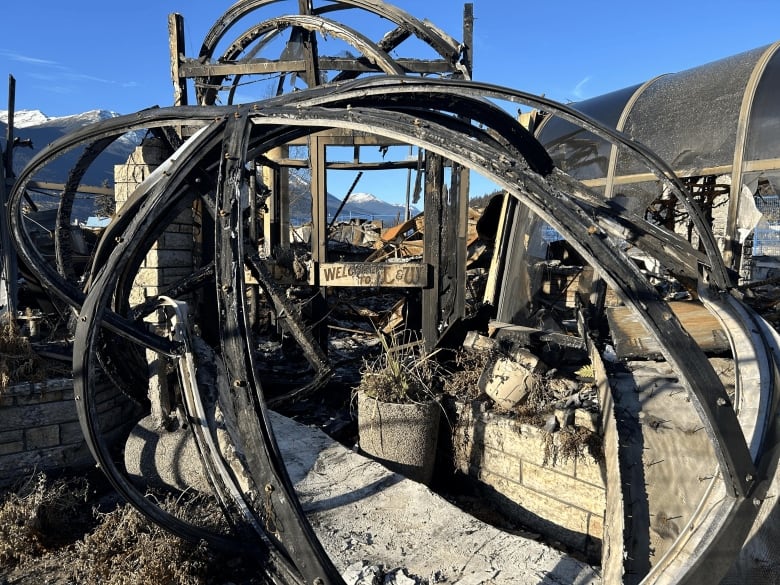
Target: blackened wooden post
[
  {"x": 8, "y": 279},
  {"x": 459, "y": 216},
  {"x": 468, "y": 38},
  {"x": 319, "y": 235},
  {"x": 435, "y": 251},
  {"x": 8, "y": 156},
  {"x": 177, "y": 51},
  {"x": 310, "y": 56},
  {"x": 319, "y": 204}
]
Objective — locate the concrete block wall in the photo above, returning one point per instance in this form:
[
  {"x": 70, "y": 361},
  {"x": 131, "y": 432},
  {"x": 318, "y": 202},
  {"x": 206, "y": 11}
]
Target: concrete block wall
[
  {"x": 171, "y": 257},
  {"x": 40, "y": 431},
  {"x": 509, "y": 460}
]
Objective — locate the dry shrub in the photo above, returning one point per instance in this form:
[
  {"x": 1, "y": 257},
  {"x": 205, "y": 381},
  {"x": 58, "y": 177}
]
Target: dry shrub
[
  {"x": 35, "y": 515},
  {"x": 51, "y": 532},
  {"x": 536, "y": 407},
  {"x": 571, "y": 443},
  {"x": 18, "y": 361},
  {"x": 462, "y": 382},
  {"x": 126, "y": 549}
]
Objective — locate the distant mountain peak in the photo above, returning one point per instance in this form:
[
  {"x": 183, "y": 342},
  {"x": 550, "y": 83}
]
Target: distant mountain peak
[
  {"x": 25, "y": 118},
  {"x": 28, "y": 118},
  {"x": 362, "y": 198}
]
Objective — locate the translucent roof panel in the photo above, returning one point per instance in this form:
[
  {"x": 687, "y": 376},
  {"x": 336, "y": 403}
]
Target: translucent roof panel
[
  {"x": 637, "y": 197},
  {"x": 690, "y": 118},
  {"x": 579, "y": 152},
  {"x": 763, "y": 139}
]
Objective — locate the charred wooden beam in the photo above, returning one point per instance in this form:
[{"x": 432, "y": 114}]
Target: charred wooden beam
[
  {"x": 258, "y": 66},
  {"x": 177, "y": 51}
]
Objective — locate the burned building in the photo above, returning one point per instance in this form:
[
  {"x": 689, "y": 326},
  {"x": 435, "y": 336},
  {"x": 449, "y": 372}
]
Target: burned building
[{"x": 610, "y": 210}]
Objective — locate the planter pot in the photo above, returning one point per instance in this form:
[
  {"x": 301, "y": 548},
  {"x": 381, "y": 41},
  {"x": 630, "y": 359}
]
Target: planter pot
[{"x": 402, "y": 437}]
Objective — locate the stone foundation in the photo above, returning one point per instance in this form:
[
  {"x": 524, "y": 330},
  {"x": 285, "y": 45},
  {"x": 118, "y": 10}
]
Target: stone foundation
[
  {"x": 40, "y": 431},
  {"x": 515, "y": 466}
]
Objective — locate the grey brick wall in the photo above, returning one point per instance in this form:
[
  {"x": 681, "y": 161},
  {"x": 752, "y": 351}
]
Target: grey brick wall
[
  {"x": 41, "y": 430},
  {"x": 564, "y": 500}
]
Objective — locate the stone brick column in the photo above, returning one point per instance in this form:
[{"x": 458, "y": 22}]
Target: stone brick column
[{"x": 171, "y": 257}]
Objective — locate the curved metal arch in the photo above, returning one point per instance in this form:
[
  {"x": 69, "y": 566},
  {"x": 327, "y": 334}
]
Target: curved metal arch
[
  {"x": 310, "y": 23},
  {"x": 746, "y": 108},
  {"x": 492, "y": 158},
  {"x": 63, "y": 251},
  {"x": 753, "y": 345},
  {"x": 93, "y": 310},
  {"x": 719, "y": 275},
  {"x": 470, "y": 107},
  {"x": 733, "y": 515},
  {"x": 239, "y": 10},
  {"x": 546, "y": 196}
]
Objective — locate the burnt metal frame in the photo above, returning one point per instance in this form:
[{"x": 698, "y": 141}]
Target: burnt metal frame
[
  {"x": 554, "y": 197},
  {"x": 441, "y": 307},
  {"x": 209, "y": 75}
]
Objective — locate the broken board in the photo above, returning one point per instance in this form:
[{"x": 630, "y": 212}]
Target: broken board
[{"x": 632, "y": 339}]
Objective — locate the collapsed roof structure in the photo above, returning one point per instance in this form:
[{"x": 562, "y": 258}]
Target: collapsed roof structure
[{"x": 579, "y": 173}]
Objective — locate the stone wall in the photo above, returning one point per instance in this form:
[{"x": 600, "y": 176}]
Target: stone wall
[
  {"x": 40, "y": 431},
  {"x": 171, "y": 256},
  {"x": 515, "y": 466}
]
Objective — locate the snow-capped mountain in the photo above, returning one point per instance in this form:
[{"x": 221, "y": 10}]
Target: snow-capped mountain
[
  {"x": 25, "y": 118},
  {"x": 370, "y": 205},
  {"x": 41, "y": 130}
]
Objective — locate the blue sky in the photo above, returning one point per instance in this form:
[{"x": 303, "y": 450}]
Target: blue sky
[{"x": 69, "y": 57}]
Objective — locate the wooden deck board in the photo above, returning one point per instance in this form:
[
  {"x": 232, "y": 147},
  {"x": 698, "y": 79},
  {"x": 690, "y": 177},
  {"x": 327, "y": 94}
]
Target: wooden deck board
[{"x": 633, "y": 340}]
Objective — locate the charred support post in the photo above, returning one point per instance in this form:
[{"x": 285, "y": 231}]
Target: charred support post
[
  {"x": 8, "y": 155},
  {"x": 459, "y": 212},
  {"x": 310, "y": 54},
  {"x": 592, "y": 291},
  {"x": 468, "y": 37},
  {"x": 8, "y": 284},
  {"x": 435, "y": 297},
  {"x": 319, "y": 234},
  {"x": 177, "y": 51}
]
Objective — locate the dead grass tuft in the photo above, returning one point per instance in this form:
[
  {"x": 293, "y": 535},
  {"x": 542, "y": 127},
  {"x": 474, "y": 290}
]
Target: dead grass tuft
[
  {"x": 18, "y": 360},
  {"x": 462, "y": 382},
  {"x": 570, "y": 443},
  {"x": 34, "y": 517},
  {"x": 127, "y": 548},
  {"x": 53, "y": 530}
]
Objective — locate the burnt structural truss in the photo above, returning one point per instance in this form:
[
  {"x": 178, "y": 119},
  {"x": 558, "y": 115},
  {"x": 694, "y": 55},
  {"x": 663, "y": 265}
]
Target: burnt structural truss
[{"x": 458, "y": 124}]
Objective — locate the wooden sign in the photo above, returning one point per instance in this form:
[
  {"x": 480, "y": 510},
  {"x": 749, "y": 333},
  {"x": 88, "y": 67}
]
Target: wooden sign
[{"x": 410, "y": 274}]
